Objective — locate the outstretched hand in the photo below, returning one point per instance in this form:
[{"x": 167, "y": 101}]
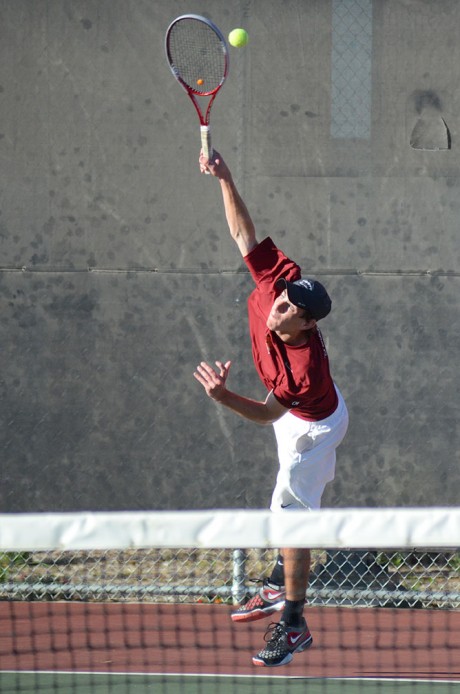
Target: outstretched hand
[{"x": 213, "y": 381}]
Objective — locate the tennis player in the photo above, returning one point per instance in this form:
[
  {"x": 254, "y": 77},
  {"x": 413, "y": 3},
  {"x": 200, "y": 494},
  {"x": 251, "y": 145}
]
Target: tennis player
[{"x": 303, "y": 404}]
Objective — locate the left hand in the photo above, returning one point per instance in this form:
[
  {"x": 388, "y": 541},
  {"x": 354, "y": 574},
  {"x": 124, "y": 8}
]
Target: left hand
[{"x": 213, "y": 381}]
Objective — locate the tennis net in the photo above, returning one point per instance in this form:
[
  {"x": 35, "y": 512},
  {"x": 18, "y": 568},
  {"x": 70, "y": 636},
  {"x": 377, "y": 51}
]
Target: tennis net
[{"x": 141, "y": 602}]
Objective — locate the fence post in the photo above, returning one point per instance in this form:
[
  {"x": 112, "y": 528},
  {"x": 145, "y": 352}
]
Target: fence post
[{"x": 239, "y": 575}]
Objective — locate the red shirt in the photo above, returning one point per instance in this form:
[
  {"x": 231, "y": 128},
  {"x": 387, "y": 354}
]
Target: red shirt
[{"x": 299, "y": 376}]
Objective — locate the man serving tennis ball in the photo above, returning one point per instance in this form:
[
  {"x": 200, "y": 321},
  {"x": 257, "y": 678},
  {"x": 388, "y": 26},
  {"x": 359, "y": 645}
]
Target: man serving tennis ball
[{"x": 303, "y": 404}]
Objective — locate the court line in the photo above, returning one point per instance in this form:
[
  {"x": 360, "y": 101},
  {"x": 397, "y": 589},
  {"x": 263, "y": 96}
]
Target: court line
[{"x": 204, "y": 675}]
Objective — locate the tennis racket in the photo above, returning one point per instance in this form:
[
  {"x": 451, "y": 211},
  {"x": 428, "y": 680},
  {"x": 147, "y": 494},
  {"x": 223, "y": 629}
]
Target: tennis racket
[{"x": 197, "y": 54}]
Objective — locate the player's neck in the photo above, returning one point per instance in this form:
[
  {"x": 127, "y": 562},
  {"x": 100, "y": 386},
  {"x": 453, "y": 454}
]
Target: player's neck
[{"x": 295, "y": 340}]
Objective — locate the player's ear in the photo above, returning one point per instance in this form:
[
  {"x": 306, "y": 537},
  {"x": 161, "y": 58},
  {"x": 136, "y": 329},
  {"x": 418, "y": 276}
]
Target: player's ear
[{"x": 309, "y": 323}]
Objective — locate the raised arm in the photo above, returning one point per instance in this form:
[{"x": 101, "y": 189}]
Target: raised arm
[{"x": 238, "y": 218}]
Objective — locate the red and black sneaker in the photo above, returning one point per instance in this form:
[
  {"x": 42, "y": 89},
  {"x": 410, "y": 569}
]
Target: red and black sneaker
[{"x": 268, "y": 599}]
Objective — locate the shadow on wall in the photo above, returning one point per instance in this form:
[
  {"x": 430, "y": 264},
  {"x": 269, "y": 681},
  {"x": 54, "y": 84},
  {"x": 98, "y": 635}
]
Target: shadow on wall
[{"x": 430, "y": 131}]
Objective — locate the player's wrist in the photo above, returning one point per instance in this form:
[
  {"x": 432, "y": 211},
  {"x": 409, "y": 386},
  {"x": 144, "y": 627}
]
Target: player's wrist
[
  {"x": 222, "y": 397},
  {"x": 225, "y": 177}
]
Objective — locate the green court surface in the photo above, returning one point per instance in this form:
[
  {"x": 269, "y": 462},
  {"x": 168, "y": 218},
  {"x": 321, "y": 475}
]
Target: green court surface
[{"x": 121, "y": 683}]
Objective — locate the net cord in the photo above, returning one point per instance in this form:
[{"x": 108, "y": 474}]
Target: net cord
[{"x": 328, "y": 528}]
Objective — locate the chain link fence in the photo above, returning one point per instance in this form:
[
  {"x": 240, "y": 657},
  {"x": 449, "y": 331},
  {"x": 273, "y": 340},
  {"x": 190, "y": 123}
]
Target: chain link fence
[
  {"x": 373, "y": 578},
  {"x": 351, "y": 69}
]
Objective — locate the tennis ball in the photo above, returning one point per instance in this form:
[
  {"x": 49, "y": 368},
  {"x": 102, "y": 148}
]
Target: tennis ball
[{"x": 238, "y": 38}]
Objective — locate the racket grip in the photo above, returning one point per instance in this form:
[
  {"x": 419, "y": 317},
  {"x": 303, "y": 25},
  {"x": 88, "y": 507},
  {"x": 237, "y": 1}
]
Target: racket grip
[{"x": 206, "y": 145}]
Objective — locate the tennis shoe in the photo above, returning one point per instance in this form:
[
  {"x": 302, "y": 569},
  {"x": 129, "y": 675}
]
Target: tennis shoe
[
  {"x": 268, "y": 600},
  {"x": 282, "y": 643}
]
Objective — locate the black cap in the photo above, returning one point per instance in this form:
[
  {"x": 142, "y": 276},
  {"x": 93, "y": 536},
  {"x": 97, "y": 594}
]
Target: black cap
[{"x": 308, "y": 294}]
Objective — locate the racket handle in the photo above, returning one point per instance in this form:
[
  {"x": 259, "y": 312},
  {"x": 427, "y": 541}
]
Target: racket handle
[{"x": 206, "y": 145}]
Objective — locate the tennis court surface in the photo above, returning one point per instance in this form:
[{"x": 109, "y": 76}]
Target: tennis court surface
[{"x": 141, "y": 602}]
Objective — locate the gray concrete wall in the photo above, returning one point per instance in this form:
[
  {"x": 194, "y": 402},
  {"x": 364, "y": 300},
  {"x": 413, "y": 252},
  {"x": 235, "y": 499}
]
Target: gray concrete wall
[{"x": 117, "y": 274}]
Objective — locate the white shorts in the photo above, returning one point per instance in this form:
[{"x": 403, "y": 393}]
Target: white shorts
[{"x": 306, "y": 452}]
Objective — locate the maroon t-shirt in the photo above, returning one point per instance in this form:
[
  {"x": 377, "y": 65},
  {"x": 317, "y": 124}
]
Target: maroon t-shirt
[{"x": 299, "y": 376}]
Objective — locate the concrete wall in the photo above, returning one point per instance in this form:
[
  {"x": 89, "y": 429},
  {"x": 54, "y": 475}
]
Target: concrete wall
[{"x": 340, "y": 120}]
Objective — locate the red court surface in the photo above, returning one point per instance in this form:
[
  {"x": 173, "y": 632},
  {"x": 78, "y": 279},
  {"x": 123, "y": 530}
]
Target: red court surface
[{"x": 348, "y": 642}]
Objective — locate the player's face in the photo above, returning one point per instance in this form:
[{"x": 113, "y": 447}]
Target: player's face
[{"x": 285, "y": 317}]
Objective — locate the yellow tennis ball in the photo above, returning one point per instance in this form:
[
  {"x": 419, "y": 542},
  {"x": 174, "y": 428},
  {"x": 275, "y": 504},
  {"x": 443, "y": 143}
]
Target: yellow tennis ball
[{"x": 238, "y": 38}]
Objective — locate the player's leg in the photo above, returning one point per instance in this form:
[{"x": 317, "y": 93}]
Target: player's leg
[
  {"x": 307, "y": 464},
  {"x": 296, "y": 574},
  {"x": 307, "y": 455},
  {"x": 292, "y": 634}
]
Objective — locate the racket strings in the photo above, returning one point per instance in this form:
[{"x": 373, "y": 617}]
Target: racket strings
[{"x": 197, "y": 55}]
